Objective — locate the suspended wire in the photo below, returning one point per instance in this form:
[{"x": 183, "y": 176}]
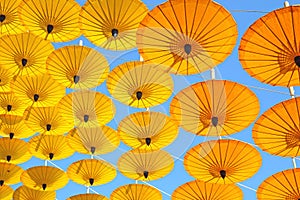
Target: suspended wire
[{"x": 245, "y": 186}]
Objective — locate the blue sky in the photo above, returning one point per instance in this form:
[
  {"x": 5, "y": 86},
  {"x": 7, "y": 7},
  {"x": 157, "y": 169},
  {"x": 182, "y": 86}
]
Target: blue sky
[{"x": 228, "y": 70}]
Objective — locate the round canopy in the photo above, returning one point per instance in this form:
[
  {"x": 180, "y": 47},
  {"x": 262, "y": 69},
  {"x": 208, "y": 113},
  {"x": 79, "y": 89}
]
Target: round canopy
[{"x": 136, "y": 192}]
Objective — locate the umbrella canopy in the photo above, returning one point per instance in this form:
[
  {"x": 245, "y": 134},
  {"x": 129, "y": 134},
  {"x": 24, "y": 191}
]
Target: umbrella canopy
[
  {"x": 50, "y": 147},
  {"x": 6, "y": 192},
  {"x": 93, "y": 140},
  {"x": 87, "y": 197},
  {"x": 25, "y": 54},
  {"x": 269, "y": 50},
  {"x": 44, "y": 178},
  {"x": 139, "y": 85},
  {"x": 9, "y": 19},
  {"x": 282, "y": 185},
  {"x": 111, "y": 24},
  {"x": 48, "y": 120},
  {"x": 222, "y": 161},
  {"x": 55, "y": 20},
  {"x": 144, "y": 165},
  {"x": 91, "y": 172},
  {"x": 148, "y": 130},
  {"x": 26, "y": 193},
  {"x": 11, "y": 104},
  {"x": 199, "y": 190},
  {"x": 78, "y": 67},
  {"x": 277, "y": 130},
  {"x": 135, "y": 192},
  {"x": 187, "y": 37},
  {"x": 9, "y": 174},
  {"x": 13, "y": 126},
  {"x": 87, "y": 108},
  {"x": 214, "y": 107},
  {"x": 14, "y": 151},
  {"x": 5, "y": 76}
]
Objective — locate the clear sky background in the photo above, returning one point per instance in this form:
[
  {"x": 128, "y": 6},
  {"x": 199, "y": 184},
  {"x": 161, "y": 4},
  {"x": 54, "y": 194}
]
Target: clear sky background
[{"x": 231, "y": 69}]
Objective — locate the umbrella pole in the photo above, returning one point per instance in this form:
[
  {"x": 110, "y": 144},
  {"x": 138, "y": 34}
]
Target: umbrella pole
[
  {"x": 46, "y": 163},
  {"x": 88, "y": 189},
  {"x": 292, "y": 93}
]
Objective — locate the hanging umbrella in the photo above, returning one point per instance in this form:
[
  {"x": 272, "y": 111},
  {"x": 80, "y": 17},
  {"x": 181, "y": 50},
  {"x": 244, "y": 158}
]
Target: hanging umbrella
[
  {"x": 199, "y": 190},
  {"x": 148, "y": 130},
  {"x": 222, "y": 161},
  {"x": 9, "y": 19},
  {"x": 25, "y": 54},
  {"x": 5, "y": 76},
  {"x": 38, "y": 91},
  {"x": 214, "y": 107},
  {"x": 94, "y": 141},
  {"x": 78, "y": 67},
  {"x": 11, "y": 104},
  {"x": 26, "y": 193},
  {"x": 13, "y": 126},
  {"x": 269, "y": 50},
  {"x": 187, "y": 37},
  {"x": 87, "y": 197},
  {"x": 55, "y": 20},
  {"x": 144, "y": 165},
  {"x": 282, "y": 185},
  {"x": 14, "y": 151},
  {"x": 277, "y": 130},
  {"x": 91, "y": 172},
  {"x": 44, "y": 178},
  {"x": 139, "y": 85},
  {"x": 9, "y": 174},
  {"x": 135, "y": 192},
  {"x": 6, "y": 192},
  {"x": 112, "y": 24},
  {"x": 50, "y": 147},
  {"x": 87, "y": 108},
  {"x": 48, "y": 120}
]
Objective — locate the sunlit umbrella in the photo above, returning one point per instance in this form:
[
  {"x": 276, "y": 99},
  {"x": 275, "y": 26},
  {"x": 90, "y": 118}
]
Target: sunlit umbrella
[
  {"x": 9, "y": 19},
  {"x": 143, "y": 165},
  {"x": 199, "y": 190},
  {"x": 135, "y": 192},
  {"x": 24, "y": 54},
  {"x": 222, "y": 161},
  {"x": 187, "y": 37},
  {"x": 77, "y": 67},
  {"x": 93, "y": 140},
  {"x": 87, "y": 197},
  {"x": 9, "y": 174},
  {"x": 5, "y": 76},
  {"x": 277, "y": 130},
  {"x": 55, "y": 20},
  {"x": 91, "y": 172},
  {"x": 50, "y": 147},
  {"x": 139, "y": 85},
  {"x": 26, "y": 193},
  {"x": 148, "y": 130},
  {"x": 14, "y": 151},
  {"x": 87, "y": 108},
  {"x": 48, "y": 120},
  {"x": 13, "y": 126},
  {"x": 11, "y": 104},
  {"x": 6, "y": 192},
  {"x": 214, "y": 107},
  {"x": 112, "y": 24},
  {"x": 44, "y": 178}
]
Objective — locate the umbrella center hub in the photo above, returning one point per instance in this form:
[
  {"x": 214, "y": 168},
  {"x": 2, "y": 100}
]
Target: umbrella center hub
[
  {"x": 139, "y": 95},
  {"x": 148, "y": 141},
  {"x": 146, "y": 174},
  {"x": 114, "y": 32},
  {"x": 86, "y": 118},
  {"x": 9, "y": 107},
  {"x": 48, "y": 127},
  {"x": 36, "y": 97},
  {"x": 51, "y": 155},
  {"x": 2, "y": 18},
  {"x": 76, "y": 79},
  {"x": 215, "y": 121},
  {"x": 187, "y": 48},
  {"x": 93, "y": 149},
  {"x": 11, "y": 135},
  {"x": 292, "y": 140},
  {"x": 24, "y": 62},
  {"x": 297, "y": 60},
  {"x": 50, "y": 28}
]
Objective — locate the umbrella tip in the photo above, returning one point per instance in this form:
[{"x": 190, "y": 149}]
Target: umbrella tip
[
  {"x": 36, "y": 97},
  {"x": 223, "y": 174},
  {"x": 93, "y": 149},
  {"x": 2, "y": 18},
  {"x": 76, "y": 79},
  {"x": 48, "y": 127},
  {"x": 187, "y": 48},
  {"x": 44, "y": 185},
  {"x": 214, "y": 121},
  {"x": 9, "y": 107},
  {"x": 8, "y": 158},
  {"x": 51, "y": 155},
  {"x": 146, "y": 174},
  {"x": 148, "y": 141},
  {"x": 50, "y": 28},
  {"x": 297, "y": 60},
  {"x": 114, "y": 32},
  {"x": 1, "y": 182},
  {"x": 86, "y": 118},
  {"x": 11, "y": 135},
  {"x": 139, "y": 95},
  {"x": 91, "y": 180},
  {"x": 24, "y": 62}
]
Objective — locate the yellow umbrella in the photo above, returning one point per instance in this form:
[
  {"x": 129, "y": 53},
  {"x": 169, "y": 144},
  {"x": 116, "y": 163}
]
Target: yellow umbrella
[
  {"x": 14, "y": 127},
  {"x": 139, "y": 85},
  {"x": 44, "y": 178},
  {"x": 78, "y": 67},
  {"x": 87, "y": 197},
  {"x": 9, "y": 174},
  {"x": 214, "y": 108},
  {"x": 144, "y": 165},
  {"x": 91, "y": 172},
  {"x": 50, "y": 147},
  {"x": 14, "y": 151},
  {"x": 111, "y": 24},
  {"x": 9, "y": 19},
  {"x": 5, "y": 76},
  {"x": 6, "y": 192},
  {"x": 48, "y": 120},
  {"x": 26, "y": 193},
  {"x": 55, "y": 20},
  {"x": 95, "y": 140},
  {"x": 148, "y": 130},
  {"x": 199, "y": 190},
  {"x": 135, "y": 192},
  {"x": 187, "y": 37},
  {"x": 222, "y": 161},
  {"x": 87, "y": 108},
  {"x": 25, "y": 54},
  {"x": 11, "y": 104}
]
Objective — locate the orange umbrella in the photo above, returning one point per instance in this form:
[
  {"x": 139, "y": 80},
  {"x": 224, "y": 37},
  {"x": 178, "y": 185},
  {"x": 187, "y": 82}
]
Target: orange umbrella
[
  {"x": 87, "y": 197},
  {"x": 26, "y": 193},
  {"x": 9, "y": 174},
  {"x": 14, "y": 127},
  {"x": 135, "y": 192},
  {"x": 11, "y": 104}
]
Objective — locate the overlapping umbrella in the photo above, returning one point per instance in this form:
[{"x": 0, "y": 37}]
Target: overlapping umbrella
[
  {"x": 26, "y": 193},
  {"x": 136, "y": 192}
]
